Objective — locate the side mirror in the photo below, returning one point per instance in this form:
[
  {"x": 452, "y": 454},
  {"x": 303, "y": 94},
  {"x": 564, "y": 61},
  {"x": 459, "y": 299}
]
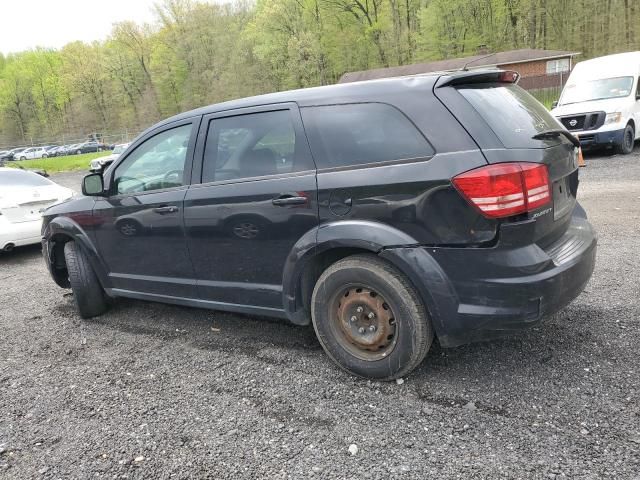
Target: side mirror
[
  {"x": 554, "y": 104},
  {"x": 93, "y": 185}
]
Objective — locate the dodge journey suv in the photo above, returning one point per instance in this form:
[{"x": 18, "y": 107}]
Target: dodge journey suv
[{"x": 384, "y": 213}]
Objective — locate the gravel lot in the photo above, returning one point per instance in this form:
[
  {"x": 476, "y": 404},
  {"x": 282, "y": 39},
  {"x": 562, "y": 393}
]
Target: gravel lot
[{"x": 156, "y": 391}]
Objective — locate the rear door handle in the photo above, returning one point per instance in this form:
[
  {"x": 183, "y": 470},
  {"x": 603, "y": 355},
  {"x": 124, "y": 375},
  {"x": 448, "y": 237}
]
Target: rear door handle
[
  {"x": 288, "y": 199},
  {"x": 167, "y": 209}
]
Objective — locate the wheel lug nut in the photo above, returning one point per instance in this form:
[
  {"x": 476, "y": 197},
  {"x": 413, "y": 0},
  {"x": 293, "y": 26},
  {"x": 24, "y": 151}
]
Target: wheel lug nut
[
  {"x": 371, "y": 316},
  {"x": 361, "y": 330},
  {"x": 353, "y": 319},
  {"x": 372, "y": 328},
  {"x": 359, "y": 309}
]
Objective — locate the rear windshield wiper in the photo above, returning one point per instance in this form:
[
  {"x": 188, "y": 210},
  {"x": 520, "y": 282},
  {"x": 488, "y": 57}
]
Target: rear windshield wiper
[{"x": 555, "y": 133}]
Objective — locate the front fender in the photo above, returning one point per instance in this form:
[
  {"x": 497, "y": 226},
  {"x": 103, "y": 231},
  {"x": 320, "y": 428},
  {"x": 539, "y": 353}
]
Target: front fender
[{"x": 63, "y": 229}]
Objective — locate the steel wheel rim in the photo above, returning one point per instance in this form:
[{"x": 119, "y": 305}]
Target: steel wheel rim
[
  {"x": 363, "y": 322},
  {"x": 128, "y": 229},
  {"x": 246, "y": 230}
]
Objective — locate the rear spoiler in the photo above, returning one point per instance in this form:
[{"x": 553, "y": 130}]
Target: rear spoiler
[{"x": 483, "y": 76}]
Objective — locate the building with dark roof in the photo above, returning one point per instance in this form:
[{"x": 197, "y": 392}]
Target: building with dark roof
[{"x": 542, "y": 67}]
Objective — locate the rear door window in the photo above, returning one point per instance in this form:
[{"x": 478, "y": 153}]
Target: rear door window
[
  {"x": 513, "y": 114},
  {"x": 363, "y": 133},
  {"x": 253, "y": 145}
]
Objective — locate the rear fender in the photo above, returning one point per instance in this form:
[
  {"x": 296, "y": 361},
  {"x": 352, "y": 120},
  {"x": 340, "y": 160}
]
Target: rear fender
[{"x": 393, "y": 245}]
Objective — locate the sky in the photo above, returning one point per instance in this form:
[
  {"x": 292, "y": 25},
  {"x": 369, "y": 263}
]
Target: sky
[{"x": 26, "y": 24}]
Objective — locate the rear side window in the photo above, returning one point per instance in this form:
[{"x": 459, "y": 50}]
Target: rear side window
[
  {"x": 357, "y": 134},
  {"x": 253, "y": 145},
  {"x": 512, "y": 114}
]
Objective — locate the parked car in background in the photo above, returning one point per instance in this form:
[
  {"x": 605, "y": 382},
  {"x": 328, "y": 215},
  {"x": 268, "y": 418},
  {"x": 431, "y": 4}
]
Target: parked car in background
[
  {"x": 24, "y": 195},
  {"x": 68, "y": 149},
  {"x": 13, "y": 153},
  {"x": 600, "y": 103},
  {"x": 100, "y": 164},
  {"x": 51, "y": 149},
  {"x": 31, "y": 153},
  {"x": 88, "y": 147},
  {"x": 439, "y": 204}
]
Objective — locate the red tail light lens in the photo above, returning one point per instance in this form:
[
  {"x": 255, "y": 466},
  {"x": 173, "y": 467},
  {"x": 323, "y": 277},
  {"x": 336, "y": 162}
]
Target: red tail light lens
[{"x": 505, "y": 189}]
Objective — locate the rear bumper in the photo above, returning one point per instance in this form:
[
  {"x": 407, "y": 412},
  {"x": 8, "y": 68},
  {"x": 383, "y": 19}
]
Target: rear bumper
[
  {"x": 594, "y": 139},
  {"x": 18, "y": 234},
  {"x": 484, "y": 293}
]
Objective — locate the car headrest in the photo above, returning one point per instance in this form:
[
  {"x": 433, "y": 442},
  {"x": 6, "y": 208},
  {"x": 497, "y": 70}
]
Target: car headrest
[{"x": 256, "y": 163}]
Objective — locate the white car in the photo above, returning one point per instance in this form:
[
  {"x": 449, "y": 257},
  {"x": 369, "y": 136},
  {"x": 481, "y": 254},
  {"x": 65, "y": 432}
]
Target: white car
[
  {"x": 24, "y": 196},
  {"x": 31, "y": 153},
  {"x": 600, "y": 104},
  {"x": 101, "y": 163}
]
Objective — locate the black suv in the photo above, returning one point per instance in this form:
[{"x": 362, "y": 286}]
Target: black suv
[{"x": 383, "y": 212}]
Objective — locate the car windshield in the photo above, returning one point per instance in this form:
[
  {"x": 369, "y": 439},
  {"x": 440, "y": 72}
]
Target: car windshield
[
  {"x": 118, "y": 149},
  {"x": 596, "y": 90},
  {"x": 20, "y": 178}
]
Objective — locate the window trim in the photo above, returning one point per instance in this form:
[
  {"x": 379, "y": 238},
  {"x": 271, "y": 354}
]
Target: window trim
[
  {"x": 203, "y": 132},
  {"x": 188, "y": 164},
  {"x": 371, "y": 164},
  {"x": 556, "y": 62}
]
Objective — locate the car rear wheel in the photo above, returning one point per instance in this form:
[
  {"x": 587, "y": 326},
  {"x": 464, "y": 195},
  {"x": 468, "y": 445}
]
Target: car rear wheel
[
  {"x": 628, "y": 139},
  {"x": 78, "y": 152},
  {"x": 87, "y": 291},
  {"x": 369, "y": 319}
]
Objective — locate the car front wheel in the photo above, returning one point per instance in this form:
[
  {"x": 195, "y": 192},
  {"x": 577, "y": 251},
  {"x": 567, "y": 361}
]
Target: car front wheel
[
  {"x": 369, "y": 319},
  {"x": 628, "y": 139},
  {"x": 87, "y": 291}
]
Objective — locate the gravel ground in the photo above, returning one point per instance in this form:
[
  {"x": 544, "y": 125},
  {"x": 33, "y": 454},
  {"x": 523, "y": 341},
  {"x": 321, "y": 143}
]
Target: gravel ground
[{"x": 156, "y": 391}]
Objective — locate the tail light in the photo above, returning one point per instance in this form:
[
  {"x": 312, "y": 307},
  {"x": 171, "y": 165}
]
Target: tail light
[{"x": 505, "y": 189}]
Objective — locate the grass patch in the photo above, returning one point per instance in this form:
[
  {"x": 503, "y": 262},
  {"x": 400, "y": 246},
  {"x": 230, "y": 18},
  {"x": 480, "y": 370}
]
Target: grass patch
[{"x": 67, "y": 163}]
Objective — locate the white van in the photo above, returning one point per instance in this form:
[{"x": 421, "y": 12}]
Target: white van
[{"x": 600, "y": 102}]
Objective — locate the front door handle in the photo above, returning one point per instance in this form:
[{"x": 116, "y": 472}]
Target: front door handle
[
  {"x": 167, "y": 209},
  {"x": 288, "y": 199}
]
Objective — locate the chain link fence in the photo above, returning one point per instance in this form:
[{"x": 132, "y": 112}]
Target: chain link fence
[{"x": 107, "y": 139}]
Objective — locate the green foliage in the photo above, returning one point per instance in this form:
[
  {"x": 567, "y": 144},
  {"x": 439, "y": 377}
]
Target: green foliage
[{"x": 199, "y": 53}]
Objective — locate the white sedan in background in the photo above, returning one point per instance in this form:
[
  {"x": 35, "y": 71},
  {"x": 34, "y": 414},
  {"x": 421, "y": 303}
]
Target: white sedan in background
[
  {"x": 31, "y": 153},
  {"x": 24, "y": 196}
]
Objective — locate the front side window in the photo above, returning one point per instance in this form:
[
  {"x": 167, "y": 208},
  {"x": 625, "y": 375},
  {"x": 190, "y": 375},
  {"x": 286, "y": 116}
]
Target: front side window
[
  {"x": 155, "y": 164},
  {"x": 252, "y": 145},
  {"x": 356, "y": 134}
]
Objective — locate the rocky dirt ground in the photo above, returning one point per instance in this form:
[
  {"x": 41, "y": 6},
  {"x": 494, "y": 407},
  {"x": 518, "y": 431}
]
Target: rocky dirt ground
[{"x": 156, "y": 391}]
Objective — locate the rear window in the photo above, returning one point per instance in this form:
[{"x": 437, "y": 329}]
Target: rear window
[
  {"x": 513, "y": 114},
  {"x": 356, "y": 134},
  {"x": 20, "y": 178}
]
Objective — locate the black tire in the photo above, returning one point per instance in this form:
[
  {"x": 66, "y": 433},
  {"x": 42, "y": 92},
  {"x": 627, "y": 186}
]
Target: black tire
[
  {"x": 23, "y": 158},
  {"x": 44, "y": 155},
  {"x": 403, "y": 320},
  {"x": 87, "y": 291},
  {"x": 628, "y": 139}
]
